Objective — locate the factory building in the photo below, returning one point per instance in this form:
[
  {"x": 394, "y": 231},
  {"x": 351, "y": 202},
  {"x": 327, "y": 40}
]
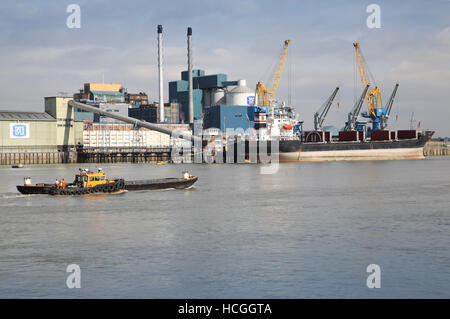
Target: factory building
[
  {"x": 101, "y": 92},
  {"x": 40, "y": 137},
  {"x": 216, "y": 104},
  {"x": 234, "y": 110},
  {"x": 106, "y": 96},
  {"x": 117, "y": 108},
  {"x": 207, "y": 90},
  {"x": 136, "y": 100},
  {"x": 150, "y": 113}
]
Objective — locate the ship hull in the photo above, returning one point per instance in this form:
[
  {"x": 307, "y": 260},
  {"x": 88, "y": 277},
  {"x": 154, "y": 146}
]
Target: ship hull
[
  {"x": 352, "y": 155},
  {"x": 297, "y": 151}
]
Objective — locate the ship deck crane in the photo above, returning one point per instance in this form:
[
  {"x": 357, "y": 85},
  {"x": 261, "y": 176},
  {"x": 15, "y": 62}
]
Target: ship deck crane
[
  {"x": 320, "y": 115},
  {"x": 385, "y": 117},
  {"x": 353, "y": 115},
  {"x": 374, "y": 101},
  {"x": 265, "y": 96}
]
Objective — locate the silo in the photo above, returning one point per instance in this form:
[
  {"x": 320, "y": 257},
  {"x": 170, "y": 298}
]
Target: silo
[
  {"x": 217, "y": 96},
  {"x": 241, "y": 95}
]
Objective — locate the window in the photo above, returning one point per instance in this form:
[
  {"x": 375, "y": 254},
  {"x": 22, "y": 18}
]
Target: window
[{"x": 91, "y": 178}]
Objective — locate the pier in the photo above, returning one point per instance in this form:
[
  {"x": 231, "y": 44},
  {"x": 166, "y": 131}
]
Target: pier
[
  {"x": 123, "y": 155},
  {"x": 38, "y": 158},
  {"x": 436, "y": 148}
]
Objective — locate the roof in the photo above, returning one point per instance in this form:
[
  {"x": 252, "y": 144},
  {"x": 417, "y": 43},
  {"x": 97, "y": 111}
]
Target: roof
[
  {"x": 103, "y": 86},
  {"x": 242, "y": 89},
  {"x": 25, "y": 116}
]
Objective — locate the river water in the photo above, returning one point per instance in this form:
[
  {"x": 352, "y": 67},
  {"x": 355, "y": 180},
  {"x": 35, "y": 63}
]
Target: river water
[{"x": 308, "y": 231}]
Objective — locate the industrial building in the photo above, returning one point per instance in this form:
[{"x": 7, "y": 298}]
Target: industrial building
[
  {"x": 101, "y": 92},
  {"x": 40, "y": 137},
  {"x": 107, "y": 96},
  {"x": 114, "y": 98},
  {"x": 215, "y": 103},
  {"x": 150, "y": 113},
  {"x": 135, "y": 100},
  {"x": 121, "y": 136},
  {"x": 207, "y": 90}
]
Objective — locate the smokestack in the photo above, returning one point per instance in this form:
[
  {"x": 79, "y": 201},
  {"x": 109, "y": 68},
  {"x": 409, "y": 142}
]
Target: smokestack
[
  {"x": 160, "y": 74},
  {"x": 191, "y": 92}
]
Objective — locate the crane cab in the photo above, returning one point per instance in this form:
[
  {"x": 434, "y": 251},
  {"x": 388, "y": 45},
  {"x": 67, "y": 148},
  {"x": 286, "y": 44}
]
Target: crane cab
[{"x": 87, "y": 179}]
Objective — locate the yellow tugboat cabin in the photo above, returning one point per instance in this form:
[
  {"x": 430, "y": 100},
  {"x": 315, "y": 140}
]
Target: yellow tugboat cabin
[{"x": 89, "y": 179}]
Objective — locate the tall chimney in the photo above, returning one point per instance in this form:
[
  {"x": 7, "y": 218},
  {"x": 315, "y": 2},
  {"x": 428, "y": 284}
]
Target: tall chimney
[
  {"x": 191, "y": 92},
  {"x": 160, "y": 74}
]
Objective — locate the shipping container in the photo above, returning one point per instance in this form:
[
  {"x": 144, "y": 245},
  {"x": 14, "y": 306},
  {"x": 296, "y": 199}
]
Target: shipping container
[
  {"x": 380, "y": 135},
  {"x": 348, "y": 136},
  {"x": 406, "y": 134}
]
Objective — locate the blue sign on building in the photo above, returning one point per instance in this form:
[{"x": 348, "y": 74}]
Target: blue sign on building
[
  {"x": 250, "y": 100},
  {"x": 19, "y": 130}
]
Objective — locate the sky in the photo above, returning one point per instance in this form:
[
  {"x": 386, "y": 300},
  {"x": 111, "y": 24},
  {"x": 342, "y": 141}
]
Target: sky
[{"x": 117, "y": 42}]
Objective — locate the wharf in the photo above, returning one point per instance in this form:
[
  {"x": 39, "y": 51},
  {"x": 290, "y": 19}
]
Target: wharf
[
  {"x": 123, "y": 155},
  {"x": 436, "y": 148}
]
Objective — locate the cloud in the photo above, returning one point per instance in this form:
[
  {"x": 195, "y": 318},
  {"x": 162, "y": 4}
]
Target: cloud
[{"x": 40, "y": 56}]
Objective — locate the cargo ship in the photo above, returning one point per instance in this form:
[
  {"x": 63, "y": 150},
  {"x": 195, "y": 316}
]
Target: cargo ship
[
  {"x": 349, "y": 144},
  {"x": 87, "y": 182},
  {"x": 365, "y": 138}
]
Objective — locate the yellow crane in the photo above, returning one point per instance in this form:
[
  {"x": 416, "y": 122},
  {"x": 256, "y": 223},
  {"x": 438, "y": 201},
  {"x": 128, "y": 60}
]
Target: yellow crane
[
  {"x": 374, "y": 97},
  {"x": 266, "y": 97}
]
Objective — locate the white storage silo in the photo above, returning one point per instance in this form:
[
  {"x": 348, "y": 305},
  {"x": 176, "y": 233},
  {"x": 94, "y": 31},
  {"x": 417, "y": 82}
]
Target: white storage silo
[
  {"x": 217, "y": 96},
  {"x": 241, "y": 95}
]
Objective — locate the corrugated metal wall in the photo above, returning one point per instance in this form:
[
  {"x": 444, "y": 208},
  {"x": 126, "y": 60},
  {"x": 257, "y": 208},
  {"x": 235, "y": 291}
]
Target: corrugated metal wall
[{"x": 124, "y": 135}]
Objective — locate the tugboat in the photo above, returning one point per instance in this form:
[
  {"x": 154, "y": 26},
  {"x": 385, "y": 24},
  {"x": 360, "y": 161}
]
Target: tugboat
[{"x": 87, "y": 182}]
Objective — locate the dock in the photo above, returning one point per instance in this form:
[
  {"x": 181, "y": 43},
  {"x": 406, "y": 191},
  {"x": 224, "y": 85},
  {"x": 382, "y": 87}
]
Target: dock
[
  {"x": 436, "y": 148},
  {"x": 123, "y": 155}
]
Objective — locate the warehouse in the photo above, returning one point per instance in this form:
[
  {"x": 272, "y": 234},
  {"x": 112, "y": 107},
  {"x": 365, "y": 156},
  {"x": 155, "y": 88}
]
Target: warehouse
[
  {"x": 40, "y": 137},
  {"x": 121, "y": 136}
]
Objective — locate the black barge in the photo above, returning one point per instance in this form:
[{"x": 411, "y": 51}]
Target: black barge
[{"x": 96, "y": 183}]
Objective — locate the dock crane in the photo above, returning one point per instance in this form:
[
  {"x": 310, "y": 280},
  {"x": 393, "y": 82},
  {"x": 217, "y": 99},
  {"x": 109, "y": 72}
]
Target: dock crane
[
  {"x": 384, "y": 117},
  {"x": 374, "y": 101},
  {"x": 264, "y": 96},
  {"x": 353, "y": 115},
  {"x": 320, "y": 115}
]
